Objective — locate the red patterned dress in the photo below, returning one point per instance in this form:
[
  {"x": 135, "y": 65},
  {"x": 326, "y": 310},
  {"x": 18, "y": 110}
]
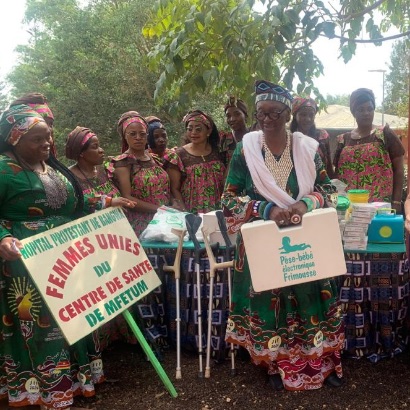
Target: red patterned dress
[
  {"x": 202, "y": 179},
  {"x": 366, "y": 163},
  {"x": 149, "y": 182}
]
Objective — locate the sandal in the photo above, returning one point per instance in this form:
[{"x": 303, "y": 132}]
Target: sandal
[
  {"x": 333, "y": 381},
  {"x": 276, "y": 382}
]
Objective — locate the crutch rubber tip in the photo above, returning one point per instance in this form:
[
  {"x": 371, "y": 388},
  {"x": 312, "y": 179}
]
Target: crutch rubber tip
[
  {"x": 201, "y": 375},
  {"x": 233, "y": 372},
  {"x": 178, "y": 374},
  {"x": 207, "y": 373}
]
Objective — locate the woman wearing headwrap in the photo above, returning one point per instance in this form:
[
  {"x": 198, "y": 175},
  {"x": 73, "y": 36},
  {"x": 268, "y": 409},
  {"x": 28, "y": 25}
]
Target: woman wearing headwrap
[
  {"x": 370, "y": 157},
  {"x": 296, "y": 332},
  {"x": 196, "y": 170},
  {"x": 37, "y": 193},
  {"x": 38, "y": 102},
  {"x": 303, "y": 120},
  {"x": 157, "y": 138},
  {"x": 142, "y": 179},
  {"x": 236, "y": 115},
  {"x": 137, "y": 174},
  {"x": 83, "y": 146}
]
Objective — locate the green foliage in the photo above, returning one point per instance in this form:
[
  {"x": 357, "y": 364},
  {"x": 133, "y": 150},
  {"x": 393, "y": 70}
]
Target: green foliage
[
  {"x": 90, "y": 63},
  {"x": 397, "y": 80},
  {"x": 342, "y": 99},
  {"x": 3, "y": 96},
  {"x": 99, "y": 58},
  {"x": 222, "y": 46}
]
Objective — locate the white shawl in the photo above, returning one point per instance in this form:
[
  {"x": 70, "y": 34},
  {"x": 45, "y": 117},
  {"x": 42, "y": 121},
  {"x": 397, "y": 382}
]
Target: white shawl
[{"x": 304, "y": 149}]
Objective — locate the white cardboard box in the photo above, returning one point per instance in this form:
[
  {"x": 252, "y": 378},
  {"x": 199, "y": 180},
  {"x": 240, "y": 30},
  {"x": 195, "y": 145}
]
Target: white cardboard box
[
  {"x": 210, "y": 221},
  {"x": 280, "y": 257}
]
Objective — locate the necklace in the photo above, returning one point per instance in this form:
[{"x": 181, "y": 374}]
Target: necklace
[
  {"x": 54, "y": 187},
  {"x": 143, "y": 157},
  {"x": 90, "y": 182},
  {"x": 279, "y": 168}
]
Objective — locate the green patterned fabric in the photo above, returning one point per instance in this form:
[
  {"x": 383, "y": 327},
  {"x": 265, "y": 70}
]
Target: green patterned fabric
[
  {"x": 36, "y": 364},
  {"x": 295, "y": 331}
]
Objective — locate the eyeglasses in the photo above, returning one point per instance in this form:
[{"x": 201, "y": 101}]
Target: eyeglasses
[{"x": 273, "y": 115}]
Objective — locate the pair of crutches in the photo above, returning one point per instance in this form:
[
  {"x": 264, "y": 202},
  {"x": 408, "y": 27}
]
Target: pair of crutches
[
  {"x": 192, "y": 224},
  {"x": 176, "y": 269}
]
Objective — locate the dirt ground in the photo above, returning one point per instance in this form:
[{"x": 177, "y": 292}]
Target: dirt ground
[{"x": 133, "y": 384}]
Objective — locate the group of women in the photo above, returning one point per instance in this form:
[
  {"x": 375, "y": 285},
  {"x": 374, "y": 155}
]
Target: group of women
[{"x": 270, "y": 173}]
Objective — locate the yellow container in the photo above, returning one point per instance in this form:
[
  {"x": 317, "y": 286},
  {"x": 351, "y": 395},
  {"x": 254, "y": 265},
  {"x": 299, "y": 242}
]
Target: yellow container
[{"x": 358, "y": 195}]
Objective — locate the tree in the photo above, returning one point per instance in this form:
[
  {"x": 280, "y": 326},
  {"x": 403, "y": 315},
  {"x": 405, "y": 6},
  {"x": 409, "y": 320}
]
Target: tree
[
  {"x": 90, "y": 63},
  {"x": 338, "y": 99},
  {"x": 3, "y": 96},
  {"x": 396, "y": 101},
  {"x": 220, "y": 46}
]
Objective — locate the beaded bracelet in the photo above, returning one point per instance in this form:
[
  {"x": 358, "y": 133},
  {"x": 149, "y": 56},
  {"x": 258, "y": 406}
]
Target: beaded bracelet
[
  {"x": 255, "y": 208},
  {"x": 105, "y": 201}
]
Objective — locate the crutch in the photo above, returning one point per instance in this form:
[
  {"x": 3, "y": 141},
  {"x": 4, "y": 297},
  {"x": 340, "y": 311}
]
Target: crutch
[
  {"x": 192, "y": 225},
  {"x": 229, "y": 248},
  {"x": 176, "y": 269},
  {"x": 213, "y": 267}
]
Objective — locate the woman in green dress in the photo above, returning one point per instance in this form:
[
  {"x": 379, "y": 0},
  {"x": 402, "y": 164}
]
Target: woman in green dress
[
  {"x": 296, "y": 332},
  {"x": 83, "y": 147},
  {"x": 37, "y": 193}
]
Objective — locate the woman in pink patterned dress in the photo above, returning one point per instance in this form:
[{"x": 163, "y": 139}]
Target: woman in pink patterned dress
[
  {"x": 304, "y": 112},
  {"x": 196, "y": 170},
  {"x": 137, "y": 174},
  {"x": 141, "y": 179},
  {"x": 370, "y": 157}
]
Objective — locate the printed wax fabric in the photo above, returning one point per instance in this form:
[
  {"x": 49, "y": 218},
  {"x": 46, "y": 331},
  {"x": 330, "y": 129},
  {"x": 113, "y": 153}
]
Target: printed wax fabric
[
  {"x": 37, "y": 366},
  {"x": 366, "y": 163},
  {"x": 322, "y": 137},
  {"x": 117, "y": 328},
  {"x": 202, "y": 179},
  {"x": 374, "y": 297},
  {"x": 202, "y": 185},
  {"x": 189, "y": 303},
  {"x": 296, "y": 331},
  {"x": 150, "y": 183}
]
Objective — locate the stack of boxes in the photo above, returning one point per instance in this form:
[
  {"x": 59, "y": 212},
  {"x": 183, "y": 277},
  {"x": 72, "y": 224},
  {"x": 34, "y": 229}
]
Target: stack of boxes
[{"x": 357, "y": 223}]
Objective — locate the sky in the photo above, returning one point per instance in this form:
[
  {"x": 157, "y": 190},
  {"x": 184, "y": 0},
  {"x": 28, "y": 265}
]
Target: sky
[{"x": 339, "y": 78}]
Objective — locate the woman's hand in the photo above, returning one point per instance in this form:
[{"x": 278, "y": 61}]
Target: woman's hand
[
  {"x": 280, "y": 215},
  {"x": 178, "y": 204},
  {"x": 396, "y": 205},
  {"x": 123, "y": 202},
  {"x": 299, "y": 208},
  {"x": 283, "y": 216},
  {"x": 9, "y": 248}
]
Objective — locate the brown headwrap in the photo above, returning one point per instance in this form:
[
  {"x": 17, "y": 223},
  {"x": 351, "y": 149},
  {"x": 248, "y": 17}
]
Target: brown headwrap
[
  {"x": 76, "y": 140},
  {"x": 360, "y": 96},
  {"x": 126, "y": 119},
  {"x": 234, "y": 102},
  {"x": 197, "y": 116}
]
